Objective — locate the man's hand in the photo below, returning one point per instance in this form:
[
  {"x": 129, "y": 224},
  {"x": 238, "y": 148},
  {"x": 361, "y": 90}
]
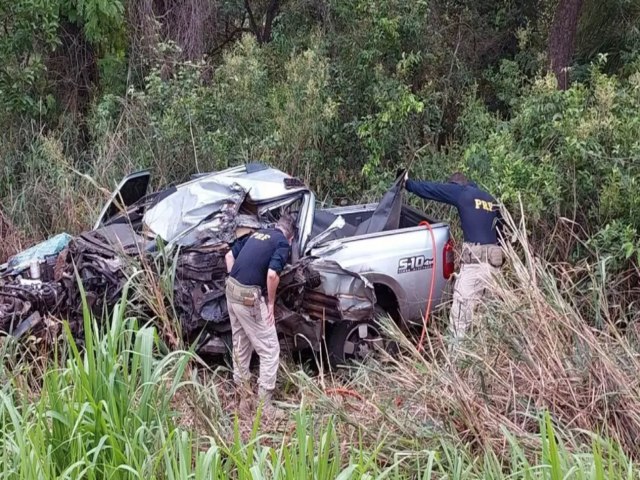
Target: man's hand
[
  {"x": 405, "y": 177},
  {"x": 271, "y": 317}
]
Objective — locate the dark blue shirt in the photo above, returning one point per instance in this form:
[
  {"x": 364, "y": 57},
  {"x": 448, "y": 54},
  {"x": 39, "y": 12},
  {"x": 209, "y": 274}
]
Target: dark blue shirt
[
  {"x": 255, "y": 254},
  {"x": 479, "y": 212}
]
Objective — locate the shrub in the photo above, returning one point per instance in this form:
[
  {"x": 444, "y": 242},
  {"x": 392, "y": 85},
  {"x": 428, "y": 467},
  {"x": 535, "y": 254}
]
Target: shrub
[{"x": 564, "y": 154}]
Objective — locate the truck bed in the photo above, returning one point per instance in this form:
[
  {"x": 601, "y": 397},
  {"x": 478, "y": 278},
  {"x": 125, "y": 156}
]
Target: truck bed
[{"x": 354, "y": 215}]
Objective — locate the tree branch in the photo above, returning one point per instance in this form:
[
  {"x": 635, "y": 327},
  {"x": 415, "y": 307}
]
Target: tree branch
[
  {"x": 252, "y": 22},
  {"x": 229, "y": 38}
]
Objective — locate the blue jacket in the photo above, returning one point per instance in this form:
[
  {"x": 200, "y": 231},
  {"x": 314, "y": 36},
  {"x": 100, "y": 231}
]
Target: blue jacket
[
  {"x": 479, "y": 212},
  {"x": 255, "y": 254}
]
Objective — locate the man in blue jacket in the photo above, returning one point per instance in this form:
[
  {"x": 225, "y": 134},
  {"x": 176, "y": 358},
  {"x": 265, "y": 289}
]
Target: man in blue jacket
[
  {"x": 254, "y": 264},
  {"x": 481, "y": 255}
]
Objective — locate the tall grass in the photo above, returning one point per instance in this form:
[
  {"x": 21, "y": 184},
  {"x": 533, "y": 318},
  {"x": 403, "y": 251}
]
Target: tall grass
[
  {"x": 108, "y": 410},
  {"x": 535, "y": 380},
  {"x": 536, "y": 392},
  {"x": 111, "y": 408}
]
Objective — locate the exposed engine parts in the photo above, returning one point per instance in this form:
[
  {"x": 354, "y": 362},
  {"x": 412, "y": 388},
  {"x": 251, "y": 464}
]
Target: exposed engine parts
[{"x": 168, "y": 248}]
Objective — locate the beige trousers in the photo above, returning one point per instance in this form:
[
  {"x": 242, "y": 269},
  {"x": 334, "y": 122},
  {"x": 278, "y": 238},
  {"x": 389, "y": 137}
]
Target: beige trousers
[
  {"x": 248, "y": 314},
  {"x": 476, "y": 272}
]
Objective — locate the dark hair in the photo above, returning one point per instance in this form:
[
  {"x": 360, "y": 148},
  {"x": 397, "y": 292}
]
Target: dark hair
[
  {"x": 287, "y": 225},
  {"x": 459, "y": 178}
]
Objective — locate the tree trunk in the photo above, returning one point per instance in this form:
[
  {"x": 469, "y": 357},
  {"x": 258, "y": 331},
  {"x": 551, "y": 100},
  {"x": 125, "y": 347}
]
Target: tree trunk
[
  {"x": 74, "y": 68},
  {"x": 262, "y": 24},
  {"x": 272, "y": 11},
  {"x": 562, "y": 39}
]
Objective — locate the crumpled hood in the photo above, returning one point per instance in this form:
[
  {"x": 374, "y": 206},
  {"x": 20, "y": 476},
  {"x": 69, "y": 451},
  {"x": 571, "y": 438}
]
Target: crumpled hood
[
  {"x": 212, "y": 195},
  {"x": 192, "y": 203}
]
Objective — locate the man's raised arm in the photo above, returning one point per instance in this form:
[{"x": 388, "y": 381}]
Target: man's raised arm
[{"x": 440, "y": 192}]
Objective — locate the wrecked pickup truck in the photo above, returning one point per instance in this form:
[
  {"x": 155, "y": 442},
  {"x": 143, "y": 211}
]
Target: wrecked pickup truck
[{"x": 347, "y": 264}]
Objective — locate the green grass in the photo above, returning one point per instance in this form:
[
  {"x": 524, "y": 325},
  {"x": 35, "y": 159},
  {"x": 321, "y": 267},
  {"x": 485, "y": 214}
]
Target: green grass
[
  {"x": 108, "y": 411},
  {"x": 514, "y": 403}
]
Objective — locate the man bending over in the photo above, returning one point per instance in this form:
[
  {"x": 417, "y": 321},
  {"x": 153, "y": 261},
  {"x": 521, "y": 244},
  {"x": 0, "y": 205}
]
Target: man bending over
[{"x": 254, "y": 264}]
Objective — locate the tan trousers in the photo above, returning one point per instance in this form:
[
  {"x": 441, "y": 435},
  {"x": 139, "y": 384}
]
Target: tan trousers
[
  {"x": 248, "y": 314},
  {"x": 479, "y": 264}
]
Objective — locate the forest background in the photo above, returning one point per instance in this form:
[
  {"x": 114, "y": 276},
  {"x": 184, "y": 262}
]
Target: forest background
[{"x": 536, "y": 100}]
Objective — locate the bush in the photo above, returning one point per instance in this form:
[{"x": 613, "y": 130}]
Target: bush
[
  {"x": 47, "y": 197},
  {"x": 196, "y": 117},
  {"x": 564, "y": 154}
]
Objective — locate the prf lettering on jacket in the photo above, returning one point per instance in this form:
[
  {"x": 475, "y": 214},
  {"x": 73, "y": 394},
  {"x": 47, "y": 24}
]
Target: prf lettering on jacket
[
  {"x": 481, "y": 204},
  {"x": 261, "y": 236}
]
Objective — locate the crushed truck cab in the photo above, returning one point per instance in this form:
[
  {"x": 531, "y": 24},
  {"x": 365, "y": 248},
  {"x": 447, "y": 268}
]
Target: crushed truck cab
[{"x": 347, "y": 264}]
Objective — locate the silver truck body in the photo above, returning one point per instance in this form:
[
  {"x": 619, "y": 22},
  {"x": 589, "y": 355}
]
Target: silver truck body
[
  {"x": 336, "y": 275},
  {"x": 402, "y": 260}
]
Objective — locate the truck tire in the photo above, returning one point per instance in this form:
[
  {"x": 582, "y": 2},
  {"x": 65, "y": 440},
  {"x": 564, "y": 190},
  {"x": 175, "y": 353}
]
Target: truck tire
[
  {"x": 346, "y": 343},
  {"x": 352, "y": 341}
]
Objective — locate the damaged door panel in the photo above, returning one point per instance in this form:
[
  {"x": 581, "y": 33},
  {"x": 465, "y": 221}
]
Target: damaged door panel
[
  {"x": 131, "y": 189},
  {"x": 342, "y": 294},
  {"x": 314, "y": 293}
]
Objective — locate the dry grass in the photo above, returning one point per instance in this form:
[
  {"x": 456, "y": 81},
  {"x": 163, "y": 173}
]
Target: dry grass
[
  {"x": 13, "y": 240},
  {"x": 531, "y": 351}
]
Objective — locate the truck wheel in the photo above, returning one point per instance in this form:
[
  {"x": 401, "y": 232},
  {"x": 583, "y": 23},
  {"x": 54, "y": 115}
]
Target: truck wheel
[{"x": 353, "y": 341}]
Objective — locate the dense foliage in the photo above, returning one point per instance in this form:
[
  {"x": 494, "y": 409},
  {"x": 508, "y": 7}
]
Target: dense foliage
[
  {"x": 537, "y": 100},
  {"x": 338, "y": 92}
]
